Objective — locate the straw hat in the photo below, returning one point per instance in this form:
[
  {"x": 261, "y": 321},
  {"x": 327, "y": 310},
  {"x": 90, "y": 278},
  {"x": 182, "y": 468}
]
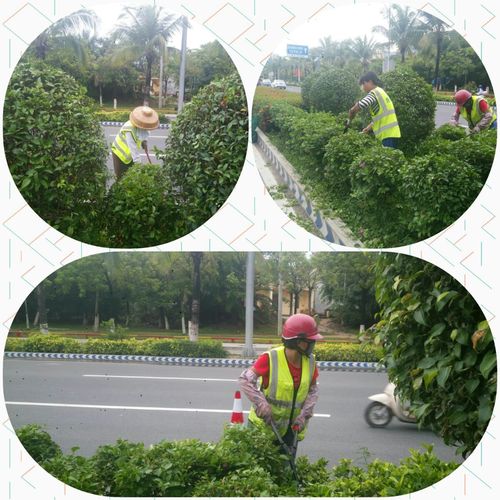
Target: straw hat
[{"x": 144, "y": 117}]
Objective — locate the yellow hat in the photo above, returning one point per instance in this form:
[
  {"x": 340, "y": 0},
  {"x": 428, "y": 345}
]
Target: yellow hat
[{"x": 144, "y": 117}]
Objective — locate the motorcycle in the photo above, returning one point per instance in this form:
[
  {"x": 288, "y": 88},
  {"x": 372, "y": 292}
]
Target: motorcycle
[{"x": 384, "y": 406}]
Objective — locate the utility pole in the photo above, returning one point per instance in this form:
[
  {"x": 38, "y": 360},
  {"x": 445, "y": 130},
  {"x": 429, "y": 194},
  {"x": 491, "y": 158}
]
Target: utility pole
[
  {"x": 280, "y": 297},
  {"x": 248, "y": 351},
  {"x": 182, "y": 72},
  {"x": 162, "y": 51}
]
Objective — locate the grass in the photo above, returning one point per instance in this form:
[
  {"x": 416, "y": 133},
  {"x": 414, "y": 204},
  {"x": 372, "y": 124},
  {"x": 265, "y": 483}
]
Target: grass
[
  {"x": 268, "y": 95},
  {"x": 265, "y": 334}
]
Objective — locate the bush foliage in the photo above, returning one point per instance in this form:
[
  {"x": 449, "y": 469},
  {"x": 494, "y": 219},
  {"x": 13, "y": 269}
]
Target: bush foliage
[
  {"x": 415, "y": 106},
  {"x": 439, "y": 349},
  {"x": 206, "y": 149},
  {"x": 55, "y": 147},
  {"x": 244, "y": 463}
]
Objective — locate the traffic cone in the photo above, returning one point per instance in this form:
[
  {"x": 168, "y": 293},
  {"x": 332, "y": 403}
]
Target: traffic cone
[{"x": 237, "y": 415}]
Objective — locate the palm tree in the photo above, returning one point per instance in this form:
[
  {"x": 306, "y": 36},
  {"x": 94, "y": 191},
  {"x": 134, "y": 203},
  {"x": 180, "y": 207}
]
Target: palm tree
[
  {"x": 404, "y": 29},
  {"x": 364, "y": 50},
  {"x": 70, "y": 30},
  {"x": 144, "y": 33},
  {"x": 437, "y": 29}
]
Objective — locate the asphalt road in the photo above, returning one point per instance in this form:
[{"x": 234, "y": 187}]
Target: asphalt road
[
  {"x": 86, "y": 404},
  {"x": 156, "y": 138}
]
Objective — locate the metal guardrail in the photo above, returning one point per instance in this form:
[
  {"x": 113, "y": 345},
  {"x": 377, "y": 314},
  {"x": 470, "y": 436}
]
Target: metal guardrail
[
  {"x": 331, "y": 230},
  {"x": 343, "y": 366}
]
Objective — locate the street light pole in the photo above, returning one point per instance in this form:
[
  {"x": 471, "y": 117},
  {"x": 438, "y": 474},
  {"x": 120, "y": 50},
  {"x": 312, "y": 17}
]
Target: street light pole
[
  {"x": 248, "y": 351},
  {"x": 162, "y": 51},
  {"x": 182, "y": 72}
]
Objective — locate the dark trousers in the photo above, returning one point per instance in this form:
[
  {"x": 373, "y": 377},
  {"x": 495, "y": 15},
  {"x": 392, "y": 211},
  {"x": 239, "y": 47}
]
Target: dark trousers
[
  {"x": 390, "y": 142},
  {"x": 119, "y": 166}
]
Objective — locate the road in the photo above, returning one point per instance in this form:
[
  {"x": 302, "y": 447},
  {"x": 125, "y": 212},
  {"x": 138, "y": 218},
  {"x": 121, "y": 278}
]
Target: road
[
  {"x": 177, "y": 402},
  {"x": 443, "y": 111},
  {"x": 156, "y": 138}
]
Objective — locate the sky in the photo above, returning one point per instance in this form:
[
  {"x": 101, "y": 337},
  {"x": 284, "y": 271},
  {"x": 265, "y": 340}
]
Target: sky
[
  {"x": 339, "y": 23},
  {"x": 108, "y": 15}
]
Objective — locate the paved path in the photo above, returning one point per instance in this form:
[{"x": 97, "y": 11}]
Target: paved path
[{"x": 87, "y": 404}]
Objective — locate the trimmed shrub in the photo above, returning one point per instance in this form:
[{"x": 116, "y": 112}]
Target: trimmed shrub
[
  {"x": 149, "y": 347},
  {"x": 478, "y": 150},
  {"x": 206, "y": 149},
  {"x": 348, "y": 352},
  {"x": 438, "y": 190},
  {"x": 38, "y": 442},
  {"x": 340, "y": 152},
  {"x": 141, "y": 210},
  {"x": 449, "y": 132},
  {"x": 415, "y": 106},
  {"x": 55, "y": 148},
  {"x": 378, "y": 206},
  {"x": 246, "y": 462},
  {"x": 334, "y": 90}
]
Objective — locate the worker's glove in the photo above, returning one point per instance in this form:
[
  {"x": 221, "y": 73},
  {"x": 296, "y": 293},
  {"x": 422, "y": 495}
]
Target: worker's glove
[
  {"x": 264, "y": 412},
  {"x": 453, "y": 123},
  {"x": 366, "y": 130},
  {"x": 299, "y": 423},
  {"x": 475, "y": 130}
]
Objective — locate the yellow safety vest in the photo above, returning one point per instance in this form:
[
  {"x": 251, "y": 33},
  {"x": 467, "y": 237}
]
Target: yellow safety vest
[
  {"x": 476, "y": 115},
  {"x": 120, "y": 146},
  {"x": 385, "y": 122},
  {"x": 279, "y": 392}
]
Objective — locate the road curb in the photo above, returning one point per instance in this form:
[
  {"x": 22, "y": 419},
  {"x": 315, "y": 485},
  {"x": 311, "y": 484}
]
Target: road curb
[
  {"x": 342, "y": 366},
  {"x": 120, "y": 124}
]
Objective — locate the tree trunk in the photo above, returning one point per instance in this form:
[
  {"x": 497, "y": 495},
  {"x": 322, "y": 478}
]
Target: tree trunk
[
  {"x": 297, "y": 303},
  {"x": 309, "y": 300},
  {"x": 147, "y": 89},
  {"x": 96, "y": 311},
  {"x": 291, "y": 303},
  {"x": 194, "y": 324},
  {"x": 27, "y": 315},
  {"x": 42, "y": 310},
  {"x": 439, "y": 46}
]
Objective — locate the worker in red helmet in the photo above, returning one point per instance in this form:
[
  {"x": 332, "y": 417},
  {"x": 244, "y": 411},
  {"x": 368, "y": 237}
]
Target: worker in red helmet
[
  {"x": 288, "y": 391},
  {"x": 475, "y": 110}
]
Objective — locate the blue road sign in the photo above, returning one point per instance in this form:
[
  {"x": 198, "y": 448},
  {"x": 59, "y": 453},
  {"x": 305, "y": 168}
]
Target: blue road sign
[{"x": 297, "y": 50}]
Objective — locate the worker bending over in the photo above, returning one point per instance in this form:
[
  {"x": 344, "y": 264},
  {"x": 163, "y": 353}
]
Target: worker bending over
[
  {"x": 475, "y": 110},
  {"x": 132, "y": 137},
  {"x": 384, "y": 122},
  {"x": 288, "y": 392}
]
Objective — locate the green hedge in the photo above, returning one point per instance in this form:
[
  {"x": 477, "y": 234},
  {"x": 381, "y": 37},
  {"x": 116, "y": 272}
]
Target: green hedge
[
  {"x": 348, "y": 352},
  {"x": 148, "y": 347},
  {"x": 244, "y": 463}
]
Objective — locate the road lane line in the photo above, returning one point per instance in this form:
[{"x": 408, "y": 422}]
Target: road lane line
[
  {"x": 165, "y": 378},
  {"x": 140, "y": 408}
]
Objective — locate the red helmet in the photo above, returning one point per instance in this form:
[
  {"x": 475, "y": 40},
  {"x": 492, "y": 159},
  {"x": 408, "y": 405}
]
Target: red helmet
[
  {"x": 300, "y": 325},
  {"x": 462, "y": 96}
]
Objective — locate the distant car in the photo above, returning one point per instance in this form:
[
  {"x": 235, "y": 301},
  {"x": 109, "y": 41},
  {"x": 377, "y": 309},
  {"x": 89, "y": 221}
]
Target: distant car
[
  {"x": 266, "y": 82},
  {"x": 278, "y": 84}
]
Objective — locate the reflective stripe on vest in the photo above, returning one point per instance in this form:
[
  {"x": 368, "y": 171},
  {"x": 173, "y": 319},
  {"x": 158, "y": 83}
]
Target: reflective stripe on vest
[
  {"x": 120, "y": 146},
  {"x": 476, "y": 115},
  {"x": 385, "y": 122},
  {"x": 279, "y": 392}
]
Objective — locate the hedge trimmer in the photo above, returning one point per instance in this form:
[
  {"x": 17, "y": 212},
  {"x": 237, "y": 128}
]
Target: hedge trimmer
[
  {"x": 290, "y": 451},
  {"x": 347, "y": 124}
]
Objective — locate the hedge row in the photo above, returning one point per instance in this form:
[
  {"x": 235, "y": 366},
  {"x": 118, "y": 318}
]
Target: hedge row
[
  {"x": 244, "y": 463},
  {"x": 385, "y": 197},
  {"x": 185, "y": 348},
  {"x": 148, "y": 347},
  {"x": 123, "y": 116}
]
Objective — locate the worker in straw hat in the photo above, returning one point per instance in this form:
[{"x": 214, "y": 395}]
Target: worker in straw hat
[
  {"x": 288, "y": 392},
  {"x": 132, "y": 137}
]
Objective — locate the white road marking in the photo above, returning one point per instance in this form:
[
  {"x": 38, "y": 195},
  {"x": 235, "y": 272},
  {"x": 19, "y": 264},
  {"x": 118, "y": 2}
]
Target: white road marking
[
  {"x": 165, "y": 378},
  {"x": 140, "y": 408}
]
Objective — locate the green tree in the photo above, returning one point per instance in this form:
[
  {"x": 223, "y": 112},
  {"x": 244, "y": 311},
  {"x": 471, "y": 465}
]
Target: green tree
[
  {"x": 143, "y": 33},
  {"x": 404, "y": 28},
  {"x": 364, "y": 50}
]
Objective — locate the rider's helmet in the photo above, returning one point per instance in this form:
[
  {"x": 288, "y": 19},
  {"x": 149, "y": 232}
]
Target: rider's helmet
[{"x": 300, "y": 328}]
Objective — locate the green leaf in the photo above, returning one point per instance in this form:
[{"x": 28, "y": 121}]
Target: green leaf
[
  {"x": 487, "y": 364},
  {"x": 429, "y": 376},
  {"x": 485, "y": 410},
  {"x": 419, "y": 317},
  {"x": 471, "y": 385},
  {"x": 443, "y": 375}
]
